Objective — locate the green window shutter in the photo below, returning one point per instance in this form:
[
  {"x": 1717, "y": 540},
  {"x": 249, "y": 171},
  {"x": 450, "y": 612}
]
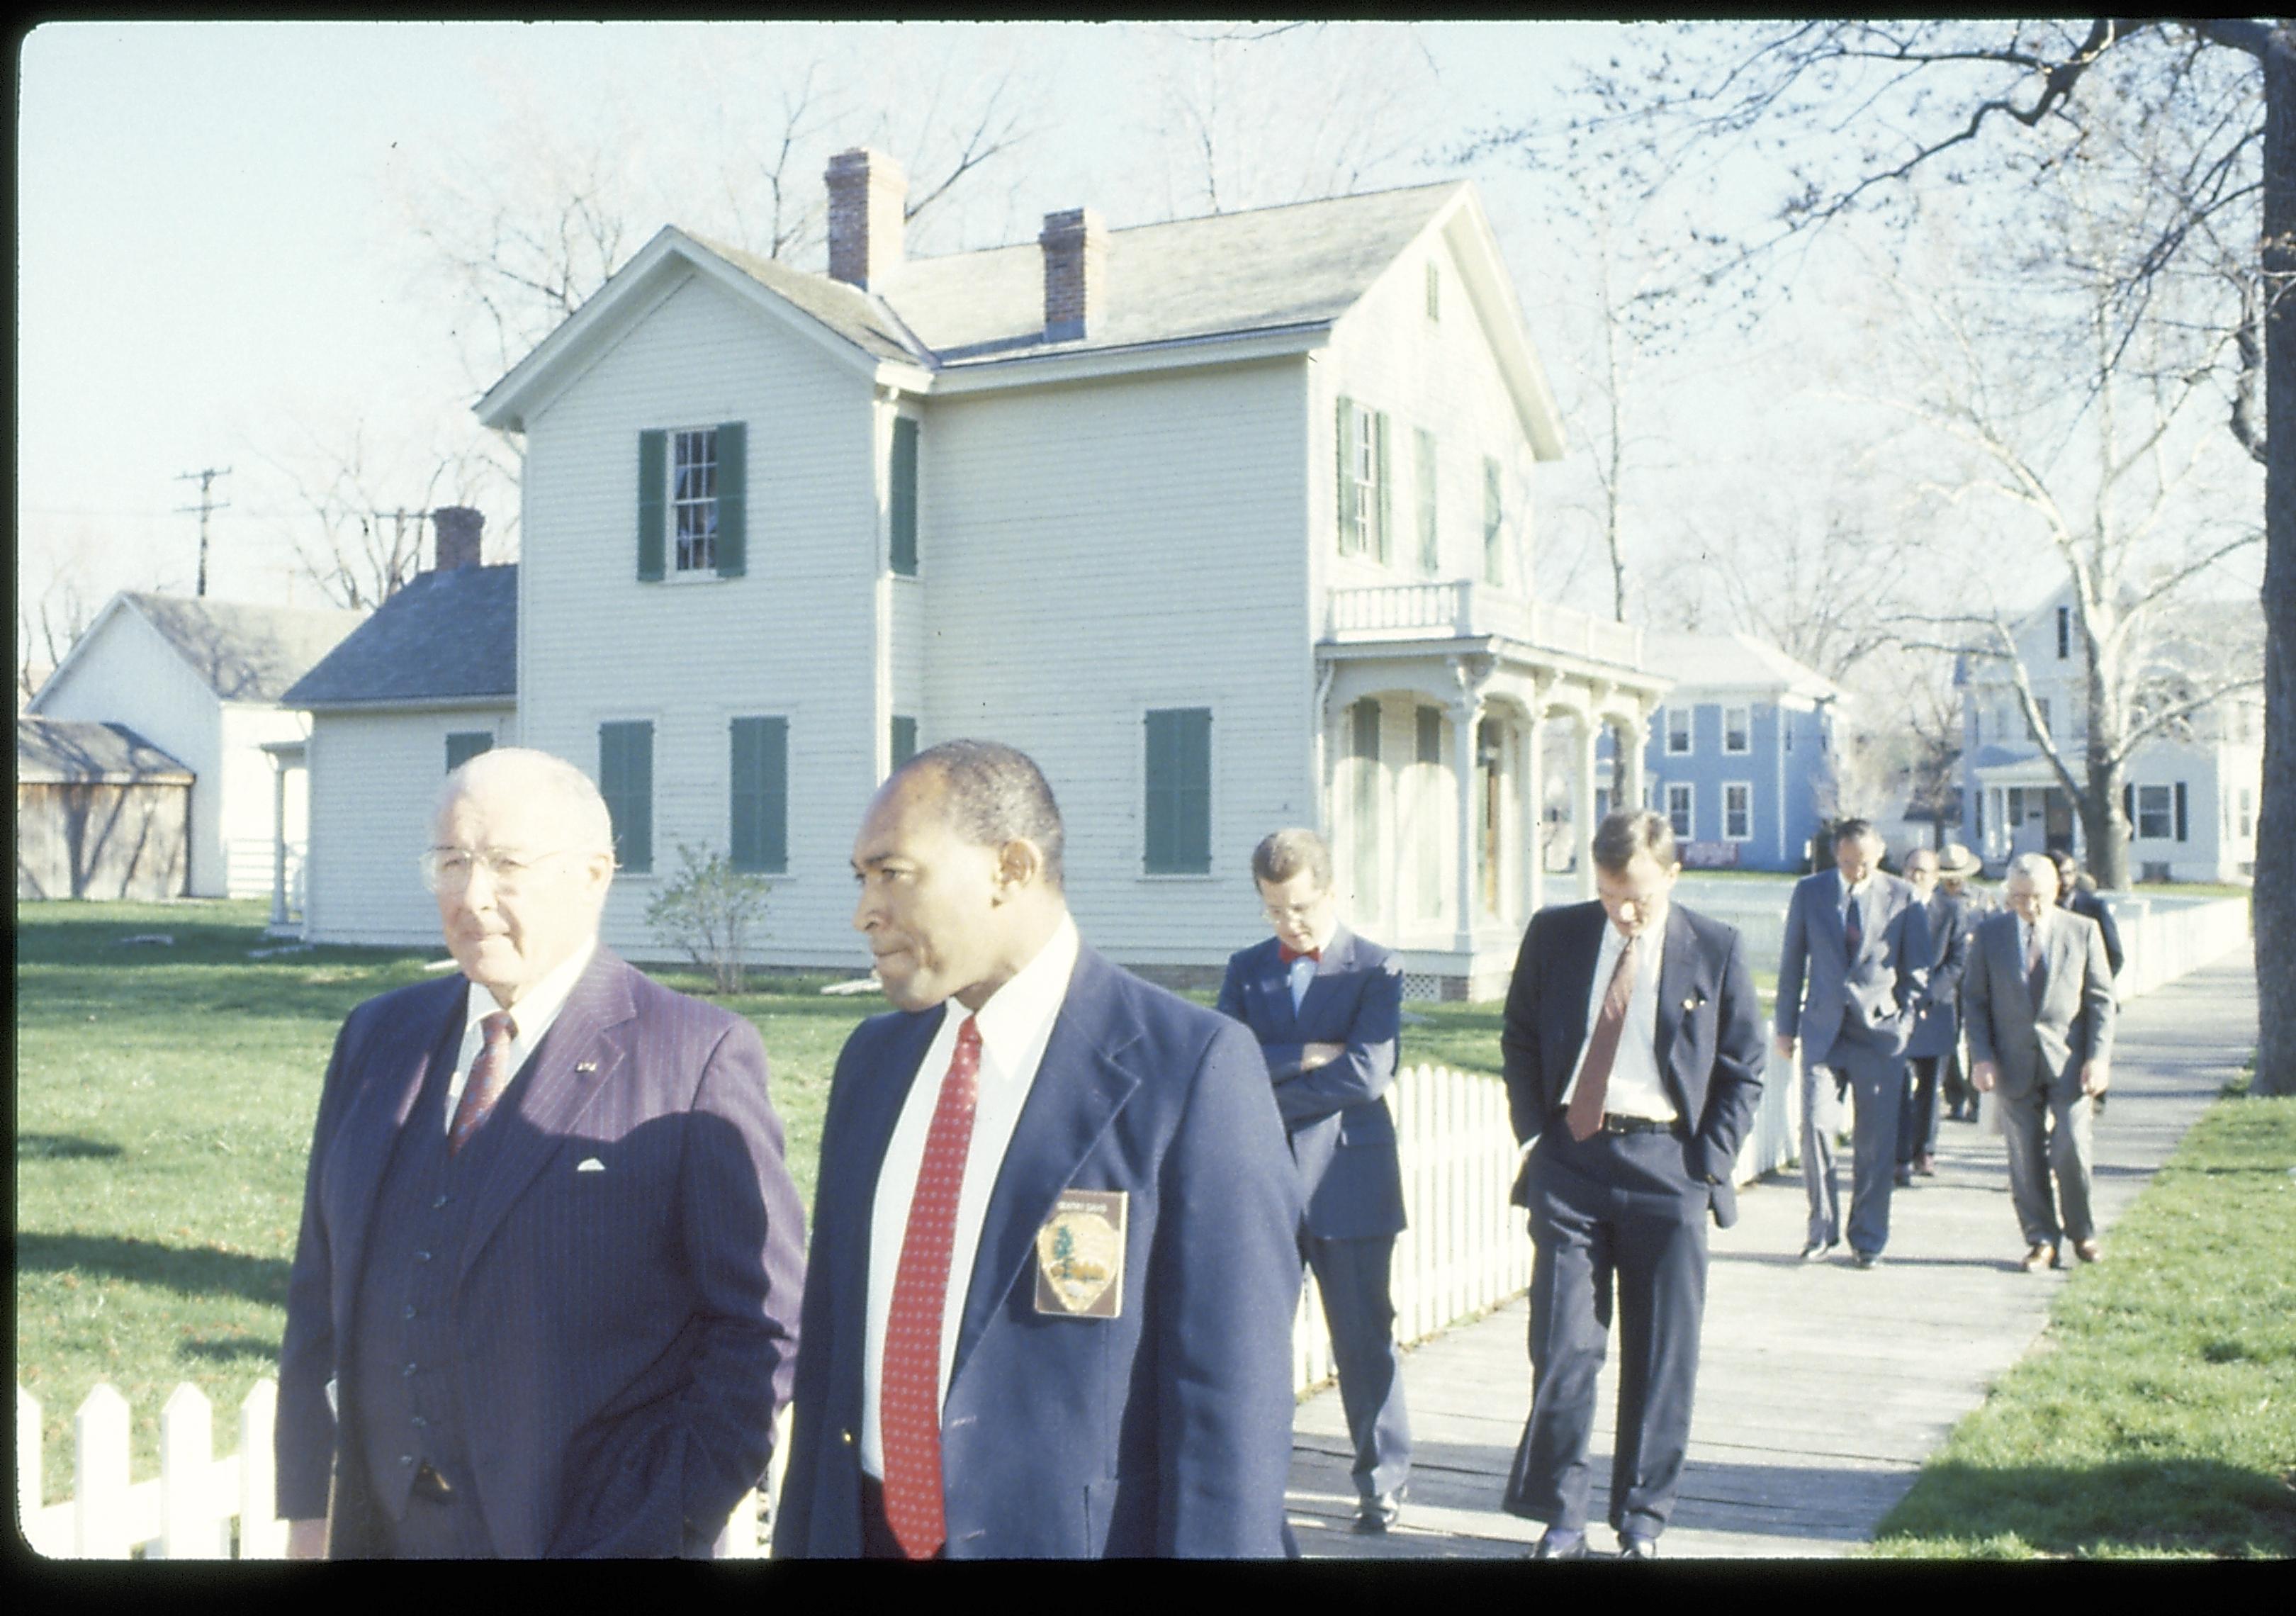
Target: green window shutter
[
  {"x": 732, "y": 498},
  {"x": 1386, "y": 490},
  {"x": 2129, "y": 804},
  {"x": 1180, "y": 797},
  {"x": 653, "y": 459},
  {"x": 902, "y": 516},
  {"x": 759, "y": 805},
  {"x": 466, "y": 744},
  {"x": 1493, "y": 521},
  {"x": 1424, "y": 479},
  {"x": 905, "y": 739},
  {"x": 1350, "y": 517},
  {"x": 625, "y": 780},
  {"x": 2180, "y": 811}
]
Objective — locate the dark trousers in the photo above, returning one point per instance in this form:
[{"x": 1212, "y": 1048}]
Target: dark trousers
[
  {"x": 1954, "y": 1086},
  {"x": 1917, "y": 1121},
  {"x": 1865, "y": 1066},
  {"x": 1352, "y": 1274},
  {"x": 1616, "y": 1219}
]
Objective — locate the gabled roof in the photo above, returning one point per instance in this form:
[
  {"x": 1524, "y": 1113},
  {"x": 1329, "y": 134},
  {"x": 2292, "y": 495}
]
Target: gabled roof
[
  {"x": 446, "y": 638},
  {"x": 1734, "y": 661},
  {"x": 241, "y": 652},
  {"x": 60, "y": 751},
  {"x": 1290, "y": 271}
]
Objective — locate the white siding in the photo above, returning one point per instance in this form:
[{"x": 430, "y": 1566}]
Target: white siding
[
  {"x": 374, "y": 779},
  {"x": 1093, "y": 552},
  {"x": 795, "y": 638},
  {"x": 129, "y": 674},
  {"x": 246, "y": 790}
]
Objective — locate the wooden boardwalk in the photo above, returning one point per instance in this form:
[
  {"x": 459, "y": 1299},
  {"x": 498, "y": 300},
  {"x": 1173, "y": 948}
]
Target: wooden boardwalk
[{"x": 1822, "y": 1387}]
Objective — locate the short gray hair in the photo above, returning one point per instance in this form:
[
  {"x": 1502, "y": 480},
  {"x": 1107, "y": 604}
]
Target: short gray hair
[
  {"x": 996, "y": 794},
  {"x": 2032, "y": 866},
  {"x": 590, "y": 827}
]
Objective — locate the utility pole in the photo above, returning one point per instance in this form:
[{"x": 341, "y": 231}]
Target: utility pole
[{"x": 206, "y": 480}]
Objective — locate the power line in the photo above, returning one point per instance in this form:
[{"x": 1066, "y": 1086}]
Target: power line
[{"x": 206, "y": 479}]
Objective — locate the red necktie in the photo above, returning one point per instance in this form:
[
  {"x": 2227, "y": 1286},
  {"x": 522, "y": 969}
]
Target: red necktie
[
  {"x": 1853, "y": 929},
  {"x": 1584, "y": 1116},
  {"x": 490, "y": 1074},
  {"x": 1287, "y": 953},
  {"x": 908, "y": 1396}
]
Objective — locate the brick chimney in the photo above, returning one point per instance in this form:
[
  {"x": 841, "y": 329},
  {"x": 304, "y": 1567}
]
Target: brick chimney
[
  {"x": 1076, "y": 273},
  {"x": 867, "y": 192},
  {"x": 457, "y": 529}
]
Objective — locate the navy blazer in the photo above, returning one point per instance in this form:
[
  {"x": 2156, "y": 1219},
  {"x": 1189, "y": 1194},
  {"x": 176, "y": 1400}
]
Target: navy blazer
[
  {"x": 1709, "y": 1046},
  {"x": 1883, "y": 987},
  {"x": 1937, "y": 1023},
  {"x": 1342, "y": 1134},
  {"x": 1166, "y": 1430},
  {"x": 627, "y": 1333}
]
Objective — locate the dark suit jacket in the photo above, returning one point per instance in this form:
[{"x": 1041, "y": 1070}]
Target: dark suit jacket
[
  {"x": 2088, "y": 904},
  {"x": 626, "y": 1333},
  {"x": 1937, "y": 1023},
  {"x": 1164, "y": 1430},
  {"x": 1882, "y": 985},
  {"x": 1342, "y": 1134},
  {"x": 1709, "y": 1046},
  {"x": 2074, "y": 1021}
]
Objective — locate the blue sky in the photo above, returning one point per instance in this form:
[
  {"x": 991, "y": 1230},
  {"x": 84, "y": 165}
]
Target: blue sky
[{"x": 208, "y": 246}]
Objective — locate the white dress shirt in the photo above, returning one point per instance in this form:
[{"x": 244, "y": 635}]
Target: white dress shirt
[
  {"x": 1015, "y": 1025},
  {"x": 1849, "y": 895},
  {"x": 531, "y": 1018},
  {"x": 1635, "y": 1089}
]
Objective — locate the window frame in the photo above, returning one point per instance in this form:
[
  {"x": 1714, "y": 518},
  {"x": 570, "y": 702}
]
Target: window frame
[
  {"x": 1747, "y": 810},
  {"x": 691, "y": 555},
  {"x": 1689, "y": 732},
  {"x": 2163, "y": 812},
  {"x": 1687, "y": 828},
  {"x": 1745, "y": 747}
]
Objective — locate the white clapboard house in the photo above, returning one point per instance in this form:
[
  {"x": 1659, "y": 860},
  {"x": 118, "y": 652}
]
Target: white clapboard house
[
  {"x": 202, "y": 680},
  {"x": 2190, "y": 793},
  {"x": 1228, "y": 521}
]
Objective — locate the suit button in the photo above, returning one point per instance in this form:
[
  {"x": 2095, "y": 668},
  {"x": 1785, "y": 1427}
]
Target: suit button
[
  {"x": 421, "y": 1423},
  {"x": 408, "y": 1312},
  {"x": 408, "y": 1370},
  {"x": 845, "y": 1437},
  {"x": 442, "y": 1201},
  {"x": 422, "y": 1257},
  {"x": 406, "y": 1459}
]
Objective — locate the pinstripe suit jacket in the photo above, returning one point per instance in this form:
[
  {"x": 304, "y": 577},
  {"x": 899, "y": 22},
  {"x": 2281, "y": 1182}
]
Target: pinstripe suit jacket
[{"x": 627, "y": 1333}]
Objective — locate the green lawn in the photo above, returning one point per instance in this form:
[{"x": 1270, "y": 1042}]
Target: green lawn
[{"x": 2158, "y": 1416}]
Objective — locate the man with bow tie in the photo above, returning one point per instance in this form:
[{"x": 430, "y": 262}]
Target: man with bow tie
[
  {"x": 1326, "y": 1005},
  {"x": 544, "y": 1298},
  {"x": 2039, "y": 991},
  {"x": 1858, "y": 941},
  {"x": 1634, "y": 1058}
]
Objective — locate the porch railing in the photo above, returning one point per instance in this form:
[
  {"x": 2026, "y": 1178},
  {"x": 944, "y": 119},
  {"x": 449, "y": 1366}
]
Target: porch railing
[{"x": 1459, "y": 608}]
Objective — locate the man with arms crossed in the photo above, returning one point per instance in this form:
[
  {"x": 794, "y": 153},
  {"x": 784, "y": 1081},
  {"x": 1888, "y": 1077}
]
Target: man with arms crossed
[
  {"x": 2039, "y": 992},
  {"x": 1634, "y": 1060},
  {"x": 1055, "y": 1257},
  {"x": 1326, "y": 1005},
  {"x": 544, "y": 1297}
]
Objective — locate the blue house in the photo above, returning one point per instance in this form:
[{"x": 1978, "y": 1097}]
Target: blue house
[{"x": 1740, "y": 756}]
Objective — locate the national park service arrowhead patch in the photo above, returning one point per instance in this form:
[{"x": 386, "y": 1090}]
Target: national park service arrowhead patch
[{"x": 1080, "y": 1256}]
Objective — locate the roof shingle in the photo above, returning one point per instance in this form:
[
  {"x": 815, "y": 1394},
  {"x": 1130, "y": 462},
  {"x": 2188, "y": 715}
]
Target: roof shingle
[{"x": 444, "y": 636}]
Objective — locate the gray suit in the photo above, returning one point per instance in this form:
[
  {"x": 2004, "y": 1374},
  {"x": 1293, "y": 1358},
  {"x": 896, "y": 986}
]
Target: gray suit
[
  {"x": 2038, "y": 1047},
  {"x": 1853, "y": 1021}
]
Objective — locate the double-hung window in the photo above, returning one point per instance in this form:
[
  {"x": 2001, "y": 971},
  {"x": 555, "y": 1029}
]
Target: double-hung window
[{"x": 693, "y": 500}]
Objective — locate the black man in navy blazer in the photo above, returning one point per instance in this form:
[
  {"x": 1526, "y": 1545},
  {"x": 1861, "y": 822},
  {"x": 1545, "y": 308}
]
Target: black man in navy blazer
[
  {"x": 1326, "y": 1005},
  {"x": 1632, "y": 1074}
]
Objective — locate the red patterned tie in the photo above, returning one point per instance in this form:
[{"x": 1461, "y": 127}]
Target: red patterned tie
[
  {"x": 1584, "y": 1116},
  {"x": 908, "y": 1398},
  {"x": 490, "y": 1074},
  {"x": 1286, "y": 953}
]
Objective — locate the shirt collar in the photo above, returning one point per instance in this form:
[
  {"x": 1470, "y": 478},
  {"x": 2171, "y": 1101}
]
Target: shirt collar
[
  {"x": 541, "y": 1003},
  {"x": 1017, "y": 1014}
]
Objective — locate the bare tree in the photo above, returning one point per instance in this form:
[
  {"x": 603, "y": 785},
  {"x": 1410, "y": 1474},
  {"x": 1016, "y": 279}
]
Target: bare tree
[
  {"x": 1853, "y": 111},
  {"x": 56, "y": 599}
]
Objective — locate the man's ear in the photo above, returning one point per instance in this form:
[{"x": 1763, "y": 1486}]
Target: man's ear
[{"x": 1019, "y": 864}]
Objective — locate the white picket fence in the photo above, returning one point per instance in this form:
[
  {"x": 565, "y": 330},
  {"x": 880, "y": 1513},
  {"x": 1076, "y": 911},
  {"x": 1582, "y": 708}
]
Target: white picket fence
[{"x": 190, "y": 1510}]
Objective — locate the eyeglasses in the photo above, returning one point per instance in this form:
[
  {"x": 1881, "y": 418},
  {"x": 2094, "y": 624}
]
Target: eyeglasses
[
  {"x": 1283, "y": 915},
  {"x": 450, "y": 869}
]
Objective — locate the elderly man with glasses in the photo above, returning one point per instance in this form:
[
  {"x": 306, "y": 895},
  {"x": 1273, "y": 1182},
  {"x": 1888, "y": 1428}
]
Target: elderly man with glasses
[{"x": 546, "y": 1292}]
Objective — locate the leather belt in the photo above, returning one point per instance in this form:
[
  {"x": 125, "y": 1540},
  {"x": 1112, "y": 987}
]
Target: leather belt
[{"x": 1613, "y": 1123}]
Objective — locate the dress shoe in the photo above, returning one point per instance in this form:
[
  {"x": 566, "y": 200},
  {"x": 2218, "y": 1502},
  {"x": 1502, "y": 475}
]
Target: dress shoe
[
  {"x": 1817, "y": 1249},
  {"x": 1904, "y": 1175},
  {"x": 1634, "y": 1546},
  {"x": 1924, "y": 1167},
  {"x": 2038, "y": 1256},
  {"x": 2088, "y": 1250},
  {"x": 1866, "y": 1260},
  {"x": 1559, "y": 1545},
  {"x": 1379, "y": 1512}
]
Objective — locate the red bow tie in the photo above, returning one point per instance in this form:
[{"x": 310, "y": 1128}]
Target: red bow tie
[{"x": 1287, "y": 953}]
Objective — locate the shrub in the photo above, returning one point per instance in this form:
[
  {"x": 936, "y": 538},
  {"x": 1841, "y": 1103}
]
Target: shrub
[{"x": 709, "y": 911}]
